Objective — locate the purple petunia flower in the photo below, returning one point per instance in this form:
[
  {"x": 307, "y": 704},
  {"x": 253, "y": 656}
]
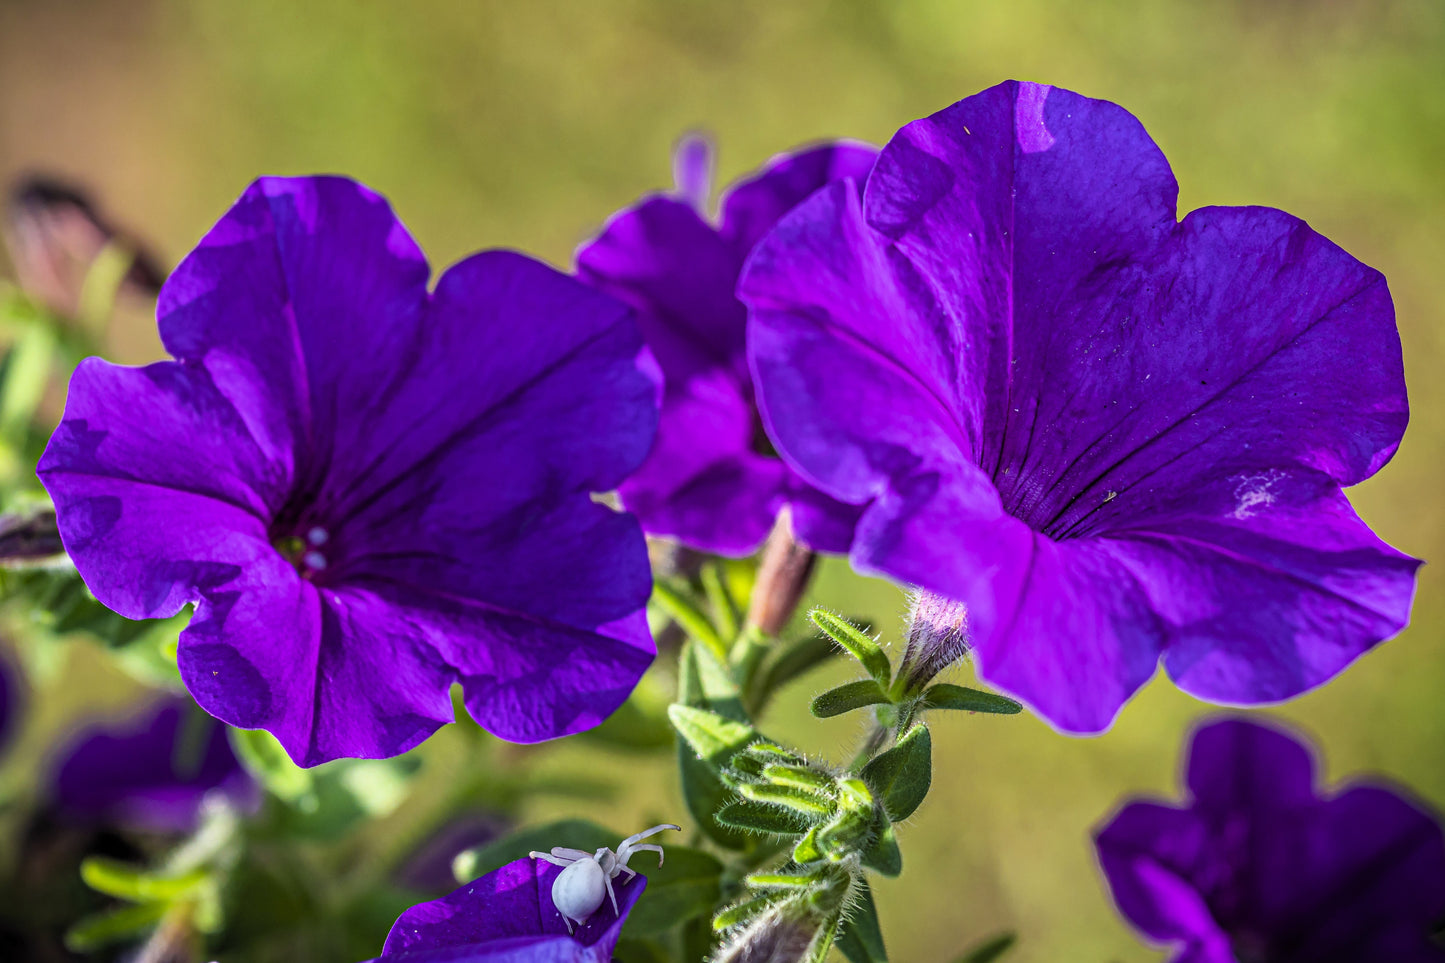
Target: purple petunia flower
[
  {"x": 1258, "y": 869},
  {"x": 507, "y": 916},
  {"x": 369, "y": 490},
  {"x": 712, "y": 479},
  {"x": 152, "y": 774},
  {"x": 1116, "y": 437}
]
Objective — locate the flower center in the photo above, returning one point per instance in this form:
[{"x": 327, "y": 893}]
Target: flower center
[{"x": 305, "y": 551}]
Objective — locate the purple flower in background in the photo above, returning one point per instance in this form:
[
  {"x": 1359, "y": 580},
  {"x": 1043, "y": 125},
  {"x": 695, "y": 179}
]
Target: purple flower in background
[
  {"x": 1258, "y": 869},
  {"x": 1114, "y": 436},
  {"x": 369, "y": 490},
  {"x": 152, "y": 774},
  {"x": 712, "y": 479},
  {"x": 9, "y": 702},
  {"x": 507, "y": 916}
]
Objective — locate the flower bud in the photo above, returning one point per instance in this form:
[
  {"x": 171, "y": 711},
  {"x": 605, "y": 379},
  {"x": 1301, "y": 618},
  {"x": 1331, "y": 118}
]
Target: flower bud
[
  {"x": 54, "y": 234},
  {"x": 937, "y": 638},
  {"x": 784, "y": 935},
  {"x": 783, "y": 575}
]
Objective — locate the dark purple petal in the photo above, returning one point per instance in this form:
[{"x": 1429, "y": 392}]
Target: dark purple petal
[
  {"x": 753, "y": 206},
  {"x": 152, "y": 774},
  {"x": 336, "y": 450},
  {"x": 1238, "y": 766},
  {"x": 507, "y": 915},
  {"x": 303, "y": 303},
  {"x": 9, "y": 701},
  {"x": 1013, "y": 325},
  {"x": 1152, "y": 857},
  {"x": 711, "y": 479},
  {"x": 1261, "y": 866},
  {"x": 331, "y": 673}
]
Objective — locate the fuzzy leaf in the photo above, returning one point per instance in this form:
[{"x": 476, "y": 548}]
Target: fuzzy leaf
[
  {"x": 861, "y": 646},
  {"x": 847, "y": 697},
  {"x": 883, "y": 855},
  {"x": 901, "y": 777},
  {"x": 860, "y": 938},
  {"x": 759, "y": 818},
  {"x": 945, "y": 695}
]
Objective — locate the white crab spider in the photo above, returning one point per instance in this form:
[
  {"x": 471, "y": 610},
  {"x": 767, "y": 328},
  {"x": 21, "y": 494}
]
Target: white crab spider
[{"x": 577, "y": 890}]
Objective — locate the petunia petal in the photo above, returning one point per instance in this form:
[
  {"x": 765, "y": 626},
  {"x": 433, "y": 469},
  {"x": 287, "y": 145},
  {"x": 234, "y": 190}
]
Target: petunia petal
[
  {"x": 1014, "y": 313},
  {"x": 301, "y": 302},
  {"x": 711, "y": 479},
  {"x": 1240, "y": 766},
  {"x": 1152, "y": 857},
  {"x": 507, "y": 915},
  {"x": 151, "y": 774},
  {"x": 1273, "y": 594},
  {"x": 524, "y": 677},
  {"x": 329, "y": 672}
]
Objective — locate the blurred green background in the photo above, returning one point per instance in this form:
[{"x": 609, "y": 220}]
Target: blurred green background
[{"x": 525, "y": 124}]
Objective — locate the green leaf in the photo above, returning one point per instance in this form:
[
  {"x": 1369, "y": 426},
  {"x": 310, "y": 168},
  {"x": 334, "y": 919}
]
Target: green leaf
[
  {"x": 639, "y": 951},
  {"x": 789, "y": 881},
  {"x": 900, "y": 778},
  {"x": 690, "y": 616},
  {"x": 632, "y": 729},
  {"x": 571, "y": 833},
  {"x": 811, "y": 805},
  {"x": 703, "y": 683},
  {"x": 706, "y": 683},
  {"x": 714, "y": 738},
  {"x": 132, "y": 883},
  {"x": 788, "y": 664},
  {"x": 883, "y": 855},
  {"x": 102, "y": 283},
  {"x": 727, "y": 614},
  {"x": 759, "y": 818},
  {"x": 114, "y": 926},
  {"x": 686, "y": 886},
  {"x": 945, "y": 695},
  {"x": 28, "y": 370},
  {"x": 989, "y": 950},
  {"x": 860, "y": 938},
  {"x": 807, "y": 850},
  {"x": 747, "y": 910},
  {"x": 862, "y": 647},
  {"x": 847, "y": 697},
  {"x": 262, "y": 756},
  {"x": 798, "y": 777}
]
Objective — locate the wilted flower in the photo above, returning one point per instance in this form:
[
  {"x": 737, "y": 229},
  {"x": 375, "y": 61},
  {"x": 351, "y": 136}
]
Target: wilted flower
[
  {"x": 507, "y": 916},
  {"x": 1114, "y": 436},
  {"x": 712, "y": 479},
  {"x": 369, "y": 490},
  {"x": 153, "y": 773},
  {"x": 1259, "y": 869}
]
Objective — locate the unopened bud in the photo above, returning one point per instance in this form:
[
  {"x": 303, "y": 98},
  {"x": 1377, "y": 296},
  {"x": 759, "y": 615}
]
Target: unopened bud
[
  {"x": 692, "y": 165},
  {"x": 937, "y": 638},
  {"x": 783, "y": 575},
  {"x": 781, "y": 936},
  {"x": 54, "y": 234},
  {"x": 29, "y": 539}
]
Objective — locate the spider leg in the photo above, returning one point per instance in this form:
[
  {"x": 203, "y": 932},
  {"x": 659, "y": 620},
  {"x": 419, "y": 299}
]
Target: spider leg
[
  {"x": 627, "y": 843},
  {"x": 573, "y": 854},
  {"x": 612, "y": 896},
  {"x": 568, "y": 921},
  {"x": 634, "y": 850},
  {"x": 555, "y": 860},
  {"x": 631, "y": 873}
]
